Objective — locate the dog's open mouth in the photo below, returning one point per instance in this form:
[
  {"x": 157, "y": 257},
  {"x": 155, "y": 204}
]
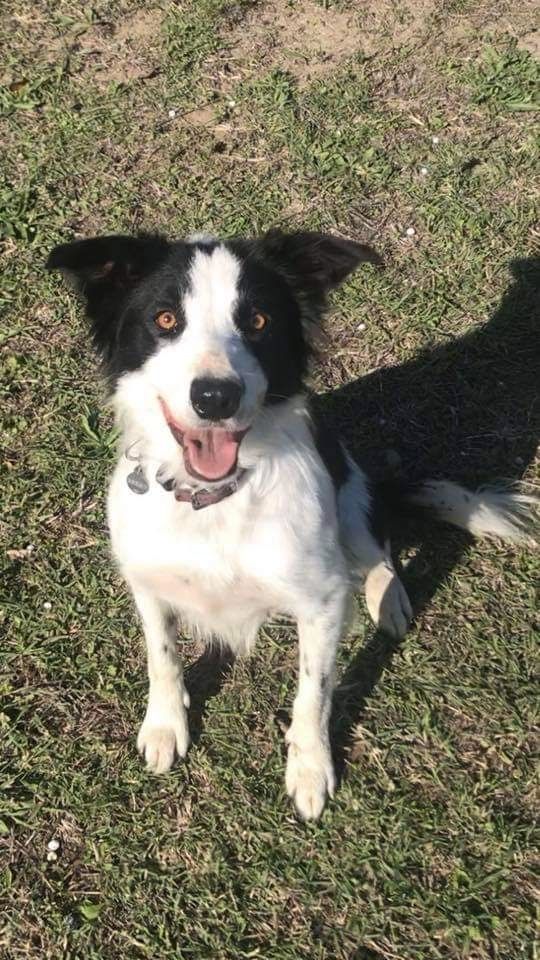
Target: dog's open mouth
[{"x": 210, "y": 453}]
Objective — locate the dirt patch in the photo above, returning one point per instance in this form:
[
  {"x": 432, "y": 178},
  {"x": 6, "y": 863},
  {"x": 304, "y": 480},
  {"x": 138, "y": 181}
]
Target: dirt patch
[
  {"x": 118, "y": 47},
  {"x": 390, "y": 24},
  {"x": 310, "y": 41},
  {"x": 201, "y": 117},
  {"x": 120, "y": 53},
  {"x": 305, "y": 39},
  {"x": 531, "y": 42}
]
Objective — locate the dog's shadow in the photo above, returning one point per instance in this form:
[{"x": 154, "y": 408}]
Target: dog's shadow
[
  {"x": 205, "y": 678},
  {"x": 467, "y": 411}
]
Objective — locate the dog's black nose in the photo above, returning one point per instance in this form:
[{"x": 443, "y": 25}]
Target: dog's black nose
[{"x": 215, "y": 399}]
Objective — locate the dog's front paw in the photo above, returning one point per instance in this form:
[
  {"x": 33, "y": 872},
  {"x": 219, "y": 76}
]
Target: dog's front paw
[
  {"x": 387, "y": 601},
  {"x": 309, "y": 779},
  {"x": 161, "y": 739}
]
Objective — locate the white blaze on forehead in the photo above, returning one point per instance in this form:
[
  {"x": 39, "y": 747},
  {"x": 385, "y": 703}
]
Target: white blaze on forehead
[{"x": 212, "y": 292}]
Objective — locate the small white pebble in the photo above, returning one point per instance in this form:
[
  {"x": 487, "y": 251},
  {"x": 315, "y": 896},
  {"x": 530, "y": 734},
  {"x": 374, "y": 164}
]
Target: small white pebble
[
  {"x": 47, "y": 605},
  {"x": 361, "y": 326},
  {"x": 52, "y": 856},
  {"x": 435, "y": 140},
  {"x": 424, "y": 171},
  {"x": 172, "y": 114},
  {"x": 231, "y": 103},
  {"x": 53, "y": 844},
  {"x": 410, "y": 231}
]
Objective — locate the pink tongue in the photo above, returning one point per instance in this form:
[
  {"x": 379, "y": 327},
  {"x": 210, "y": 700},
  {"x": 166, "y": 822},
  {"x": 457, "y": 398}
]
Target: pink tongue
[{"x": 210, "y": 453}]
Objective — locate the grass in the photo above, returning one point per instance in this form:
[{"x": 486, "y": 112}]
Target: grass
[{"x": 187, "y": 116}]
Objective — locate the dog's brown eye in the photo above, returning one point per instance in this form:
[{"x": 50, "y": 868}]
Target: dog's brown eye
[
  {"x": 166, "y": 321},
  {"x": 259, "y": 322}
]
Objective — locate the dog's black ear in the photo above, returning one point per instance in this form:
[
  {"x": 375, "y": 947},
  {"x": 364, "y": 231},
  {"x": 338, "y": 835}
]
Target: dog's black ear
[
  {"x": 315, "y": 261},
  {"x": 106, "y": 263}
]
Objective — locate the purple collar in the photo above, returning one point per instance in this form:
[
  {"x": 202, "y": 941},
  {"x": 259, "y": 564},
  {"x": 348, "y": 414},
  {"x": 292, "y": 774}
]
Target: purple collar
[{"x": 200, "y": 499}]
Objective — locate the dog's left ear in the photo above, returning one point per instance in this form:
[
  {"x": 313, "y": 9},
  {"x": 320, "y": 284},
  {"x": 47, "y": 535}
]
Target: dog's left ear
[
  {"x": 104, "y": 271},
  {"x": 315, "y": 262},
  {"x": 102, "y": 265}
]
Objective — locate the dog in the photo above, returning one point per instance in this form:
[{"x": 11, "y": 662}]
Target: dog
[{"x": 230, "y": 501}]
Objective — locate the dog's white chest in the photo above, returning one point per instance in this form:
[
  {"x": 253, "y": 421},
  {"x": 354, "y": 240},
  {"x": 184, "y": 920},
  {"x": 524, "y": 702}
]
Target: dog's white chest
[{"x": 210, "y": 565}]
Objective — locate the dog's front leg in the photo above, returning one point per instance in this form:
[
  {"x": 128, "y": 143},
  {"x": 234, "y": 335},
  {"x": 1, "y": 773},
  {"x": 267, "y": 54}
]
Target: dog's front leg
[
  {"x": 164, "y": 731},
  {"x": 310, "y": 771}
]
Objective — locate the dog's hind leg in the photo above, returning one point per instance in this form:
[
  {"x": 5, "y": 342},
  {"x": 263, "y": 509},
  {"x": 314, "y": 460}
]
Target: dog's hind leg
[
  {"x": 164, "y": 732},
  {"x": 386, "y": 598},
  {"x": 369, "y": 556}
]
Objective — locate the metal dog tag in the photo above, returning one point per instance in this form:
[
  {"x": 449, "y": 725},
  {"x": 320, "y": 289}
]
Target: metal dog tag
[{"x": 136, "y": 481}]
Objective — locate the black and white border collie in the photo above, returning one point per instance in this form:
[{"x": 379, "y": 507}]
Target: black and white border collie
[{"x": 228, "y": 503}]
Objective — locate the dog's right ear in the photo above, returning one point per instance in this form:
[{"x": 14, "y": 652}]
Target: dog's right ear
[
  {"x": 108, "y": 264},
  {"x": 315, "y": 263}
]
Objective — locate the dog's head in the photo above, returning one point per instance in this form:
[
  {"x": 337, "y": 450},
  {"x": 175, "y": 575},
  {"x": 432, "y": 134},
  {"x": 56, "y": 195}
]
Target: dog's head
[{"x": 208, "y": 332}]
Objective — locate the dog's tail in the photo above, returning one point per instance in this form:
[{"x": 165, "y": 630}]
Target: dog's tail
[{"x": 500, "y": 512}]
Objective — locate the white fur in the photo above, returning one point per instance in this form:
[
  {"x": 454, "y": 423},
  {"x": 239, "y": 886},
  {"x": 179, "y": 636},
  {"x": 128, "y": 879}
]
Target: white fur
[
  {"x": 487, "y": 512},
  {"x": 251, "y": 546},
  {"x": 164, "y": 732}
]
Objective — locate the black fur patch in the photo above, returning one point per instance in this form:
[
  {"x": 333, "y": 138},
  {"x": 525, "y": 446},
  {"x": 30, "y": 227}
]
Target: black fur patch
[
  {"x": 331, "y": 452},
  {"x": 377, "y": 518},
  {"x": 125, "y": 281},
  {"x": 281, "y": 351},
  {"x": 314, "y": 262}
]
